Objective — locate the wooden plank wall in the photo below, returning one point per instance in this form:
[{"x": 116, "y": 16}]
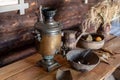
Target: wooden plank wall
[{"x": 15, "y": 28}]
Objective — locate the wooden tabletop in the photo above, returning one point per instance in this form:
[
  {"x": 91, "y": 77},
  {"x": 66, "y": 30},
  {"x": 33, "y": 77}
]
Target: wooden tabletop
[{"x": 26, "y": 69}]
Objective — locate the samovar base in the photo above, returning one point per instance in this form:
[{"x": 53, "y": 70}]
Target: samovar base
[{"x": 47, "y": 66}]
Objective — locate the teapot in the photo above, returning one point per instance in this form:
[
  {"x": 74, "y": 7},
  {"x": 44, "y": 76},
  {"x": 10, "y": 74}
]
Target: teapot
[{"x": 71, "y": 39}]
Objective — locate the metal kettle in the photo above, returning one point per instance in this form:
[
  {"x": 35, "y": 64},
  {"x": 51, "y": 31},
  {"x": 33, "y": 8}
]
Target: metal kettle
[{"x": 48, "y": 38}]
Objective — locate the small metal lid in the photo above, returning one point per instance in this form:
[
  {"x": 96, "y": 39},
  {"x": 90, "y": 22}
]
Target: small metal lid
[
  {"x": 52, "y": 28},
  {"x": 49, "y": 25}
]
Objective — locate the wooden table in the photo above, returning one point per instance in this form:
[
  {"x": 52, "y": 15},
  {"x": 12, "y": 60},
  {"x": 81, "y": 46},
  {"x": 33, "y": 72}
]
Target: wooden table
[{"x": 26, "y": 69}]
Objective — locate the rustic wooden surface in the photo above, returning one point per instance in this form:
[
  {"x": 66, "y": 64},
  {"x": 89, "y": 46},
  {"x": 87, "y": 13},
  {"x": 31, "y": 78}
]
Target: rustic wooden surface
[
  {"x": 27, "y": 69},
  {"x": 12, "y": 41},
  {"x": 16, "y": 55},
  {"x": 113, "y": 46}
]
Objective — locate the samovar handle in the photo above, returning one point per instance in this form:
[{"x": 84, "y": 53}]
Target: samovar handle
[{"x": 37, "y": 35}]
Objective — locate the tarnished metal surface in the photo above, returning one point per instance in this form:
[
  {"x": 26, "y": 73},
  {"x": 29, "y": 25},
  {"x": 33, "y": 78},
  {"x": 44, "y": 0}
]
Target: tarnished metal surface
[{"x": 50, "y": 44}]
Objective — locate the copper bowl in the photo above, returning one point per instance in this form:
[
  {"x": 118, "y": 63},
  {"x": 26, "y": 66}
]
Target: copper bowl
[
  {"x": 91, "y": 44},
  {"x": 87, "y": 61}
]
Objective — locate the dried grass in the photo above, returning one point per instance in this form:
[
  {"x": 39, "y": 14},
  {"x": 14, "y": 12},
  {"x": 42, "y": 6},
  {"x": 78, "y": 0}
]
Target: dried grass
[{"x": 101, "y": 13}]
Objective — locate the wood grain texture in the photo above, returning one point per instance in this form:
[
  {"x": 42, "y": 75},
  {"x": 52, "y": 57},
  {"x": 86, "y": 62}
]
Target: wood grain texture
[
  {"x": 113, "y": 45},
  {"x": 27, "y": 70},
  {"x": 69, "y": 13},
  {"x": 100, "y": 72},
  {"x": 16, "y": 55},
  {"x": 37, "y": 73},
  {"x": 18, "y": 67},
  {"x": 9, "y": 42}
]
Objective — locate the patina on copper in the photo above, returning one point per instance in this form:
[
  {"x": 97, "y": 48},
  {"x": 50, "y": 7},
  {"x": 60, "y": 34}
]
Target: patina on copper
[{"x": 49, "y": 38}]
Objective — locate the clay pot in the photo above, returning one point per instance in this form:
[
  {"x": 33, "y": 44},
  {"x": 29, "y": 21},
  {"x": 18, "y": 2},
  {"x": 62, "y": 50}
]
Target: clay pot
[{"x": 91, "y": 44}]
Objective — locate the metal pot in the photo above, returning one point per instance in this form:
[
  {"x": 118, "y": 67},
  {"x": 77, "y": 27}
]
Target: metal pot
[{"x": 49, "y": 37}]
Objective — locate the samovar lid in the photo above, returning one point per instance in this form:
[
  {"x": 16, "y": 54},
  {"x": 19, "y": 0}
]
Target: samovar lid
[{"x": 49, "y": 25}]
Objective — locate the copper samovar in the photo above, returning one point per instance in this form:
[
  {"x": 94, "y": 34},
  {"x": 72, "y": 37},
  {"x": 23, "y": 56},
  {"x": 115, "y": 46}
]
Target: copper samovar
[{"x": 48, "y": 38}]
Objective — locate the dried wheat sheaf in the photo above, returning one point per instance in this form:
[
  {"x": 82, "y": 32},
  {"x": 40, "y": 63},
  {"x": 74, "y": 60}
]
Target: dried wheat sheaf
[{"x": 101, "y": 14}]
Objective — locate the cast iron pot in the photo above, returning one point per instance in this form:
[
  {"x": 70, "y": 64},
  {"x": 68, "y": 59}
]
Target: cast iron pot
[{"x": 88, "y": 62}]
